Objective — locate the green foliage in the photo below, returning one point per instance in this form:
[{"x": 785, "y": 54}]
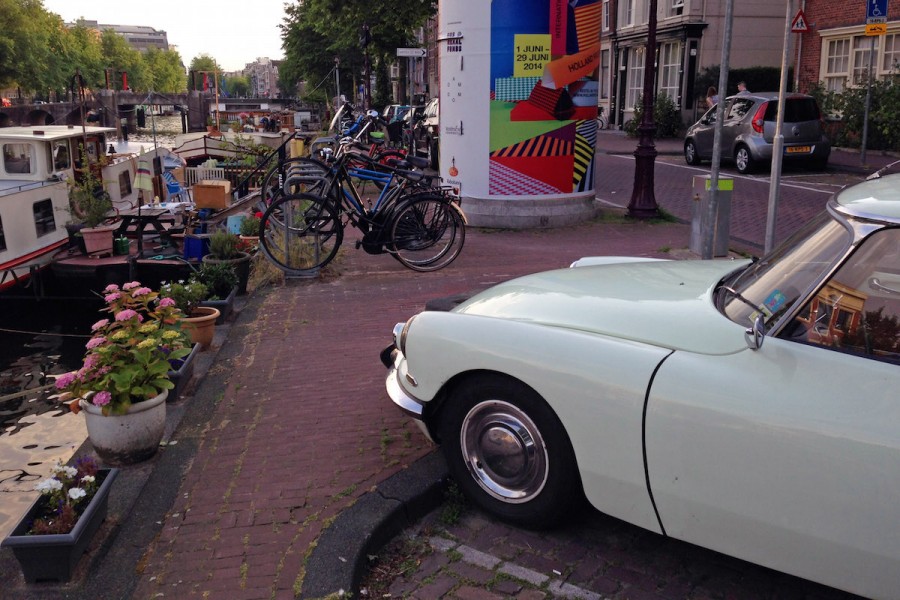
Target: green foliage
[
  {"x": 89, "y": 203},
  {"x": 237, "y": 86},
  {"x": 665, "y": 114},
  {"x": 314, "y": 32},
  {"x": 250, "y": 225},
  {"x": 38, "y": 53},
  {"x": 187, "y": 295},
  {"x": 849, "y": 106},
  {"x": 223, "y": 245},
  {"x": 219, "y": 278}
]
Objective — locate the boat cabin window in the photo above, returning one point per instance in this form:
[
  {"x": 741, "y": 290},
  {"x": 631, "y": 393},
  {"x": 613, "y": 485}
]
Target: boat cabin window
[
  {"x": 61, "y": 160},
  {"x": 18, "y": 158},
  {"x": 44, "y": 221}
]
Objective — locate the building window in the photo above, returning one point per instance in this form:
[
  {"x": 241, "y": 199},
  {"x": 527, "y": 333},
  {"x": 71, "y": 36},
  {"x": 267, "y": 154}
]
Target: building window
[
  {"x": 604, "y": 74},
  {"x": 629, "y": 12},
  {"x": 670, "y": 68},
  {"x": 605, "y": 15},
  {"x": 635, "y": 77},
  {"x": 44, "y": 221},
  {"x": 837, "y": 67},
  {"x": 676, "y": 8},
  {"x": 861, "y": 46},
  {"x": 890, "y": 60}
]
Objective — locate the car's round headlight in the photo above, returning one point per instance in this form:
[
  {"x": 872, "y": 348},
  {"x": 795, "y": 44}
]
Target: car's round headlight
[{"x": 401, "y": 330}]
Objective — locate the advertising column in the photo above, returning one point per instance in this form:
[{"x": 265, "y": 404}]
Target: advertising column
[{"x": 518, "y": 108}]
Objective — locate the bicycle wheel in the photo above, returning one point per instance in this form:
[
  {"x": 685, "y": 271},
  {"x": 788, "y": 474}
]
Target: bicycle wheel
[
  {"x": 427, "y": 233},
  {"x": 300, "y": 233}
]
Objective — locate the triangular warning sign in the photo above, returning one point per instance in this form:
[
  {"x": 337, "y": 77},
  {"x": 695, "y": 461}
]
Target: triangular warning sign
[{"x": 799, "y": 22}]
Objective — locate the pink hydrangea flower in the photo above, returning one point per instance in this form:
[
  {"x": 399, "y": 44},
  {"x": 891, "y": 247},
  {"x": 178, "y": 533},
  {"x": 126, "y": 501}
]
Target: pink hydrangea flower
[
  {"x": 100, "y": 324},
  {"x": 131, "y": 285},
  {"x": 126, "y": 314},
  {"x": 166, "y": 302},
  {"x": 141, "y": 292},
  {"x": 109, "y": 298},
  {"x": 64, "y": 380},
  {"x": 111, "y": 288},
  {"x": 101, "y": 398},
  {"x": 94, "y": 342}
]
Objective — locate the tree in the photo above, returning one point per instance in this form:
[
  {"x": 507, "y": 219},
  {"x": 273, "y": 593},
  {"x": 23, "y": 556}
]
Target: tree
[
  {"x": 237, "y": 86},
  {"x": 204, "y": 63},
  {"x": 122, "y": 58},
  {"x": 165, "y": 71},
  {"x": 25, "y": 29},
  {"x": 316, "y": 32}
]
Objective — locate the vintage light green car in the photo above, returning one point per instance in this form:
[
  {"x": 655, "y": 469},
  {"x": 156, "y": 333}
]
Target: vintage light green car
[{"x": 751, "y": 407}]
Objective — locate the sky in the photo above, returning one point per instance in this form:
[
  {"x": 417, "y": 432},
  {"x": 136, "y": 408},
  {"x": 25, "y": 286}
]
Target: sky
[{"x": 233, "y": 33}]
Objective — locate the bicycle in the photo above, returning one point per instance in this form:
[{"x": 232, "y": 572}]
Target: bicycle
[
  {"x": 417, "y": 223},
  {"x": 602, "y": 122}
]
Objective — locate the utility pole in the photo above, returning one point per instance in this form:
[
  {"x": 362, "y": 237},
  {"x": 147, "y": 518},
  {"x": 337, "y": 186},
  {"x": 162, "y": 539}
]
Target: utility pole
[
  {"x": 643, "y": 200},
  {"x": 364, "y": 39}
]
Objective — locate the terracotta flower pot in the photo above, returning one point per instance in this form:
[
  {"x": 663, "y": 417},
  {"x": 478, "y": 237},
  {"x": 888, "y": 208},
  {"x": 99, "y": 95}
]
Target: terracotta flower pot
[
  {"x": 201, "y": 325},
  {"x": 129, "y": 438}
]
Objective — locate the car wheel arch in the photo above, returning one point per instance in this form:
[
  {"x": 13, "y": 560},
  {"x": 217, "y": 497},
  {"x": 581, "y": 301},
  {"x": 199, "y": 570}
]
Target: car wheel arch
[{"x": 491, "y": 401}]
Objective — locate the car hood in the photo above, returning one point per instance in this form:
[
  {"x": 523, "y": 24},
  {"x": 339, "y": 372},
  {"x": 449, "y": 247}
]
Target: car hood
[{"x": 664, "y": 303}]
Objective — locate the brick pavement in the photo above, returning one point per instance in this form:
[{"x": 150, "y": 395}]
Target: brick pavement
[{"x": 302, "y": 426}]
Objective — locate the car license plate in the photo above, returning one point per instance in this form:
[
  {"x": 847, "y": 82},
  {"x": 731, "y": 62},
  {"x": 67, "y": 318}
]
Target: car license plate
[{"x": 797, "y": 150}]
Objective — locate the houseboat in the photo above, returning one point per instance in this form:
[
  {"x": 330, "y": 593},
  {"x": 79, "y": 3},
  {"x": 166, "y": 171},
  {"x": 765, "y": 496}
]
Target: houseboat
[{"x": 36, "y": 166}]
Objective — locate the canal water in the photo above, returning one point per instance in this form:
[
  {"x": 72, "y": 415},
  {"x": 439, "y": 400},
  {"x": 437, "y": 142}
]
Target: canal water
[{"x": 38, "y": 341}]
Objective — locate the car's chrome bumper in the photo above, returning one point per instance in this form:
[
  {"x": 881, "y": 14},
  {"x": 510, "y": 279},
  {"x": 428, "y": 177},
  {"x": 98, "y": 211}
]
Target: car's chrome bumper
[{"x": 409, "y": 405}]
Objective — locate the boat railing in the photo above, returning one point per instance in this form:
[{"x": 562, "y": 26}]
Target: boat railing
[
  {"x": 6, "y": 190},
  {"x": 194, "y": 175}
]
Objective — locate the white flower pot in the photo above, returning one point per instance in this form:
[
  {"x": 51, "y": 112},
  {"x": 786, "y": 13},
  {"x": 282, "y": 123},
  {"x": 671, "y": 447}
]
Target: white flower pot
[{"x": 129, "y": 438}]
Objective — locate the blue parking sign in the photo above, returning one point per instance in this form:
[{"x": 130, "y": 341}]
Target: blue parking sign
[{"x": 876, "y": 9}]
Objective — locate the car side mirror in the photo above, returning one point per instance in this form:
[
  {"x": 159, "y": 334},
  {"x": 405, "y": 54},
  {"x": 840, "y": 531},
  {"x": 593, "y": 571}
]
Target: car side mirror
[{"x": 756, "y": 333}]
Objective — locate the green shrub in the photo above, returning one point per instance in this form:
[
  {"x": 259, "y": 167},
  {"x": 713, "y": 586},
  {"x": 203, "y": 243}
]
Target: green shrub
[
  {"x": 223, "y": 245},
  {"x": 219, "y": 278},
  {"x": 665, "y": 114}
]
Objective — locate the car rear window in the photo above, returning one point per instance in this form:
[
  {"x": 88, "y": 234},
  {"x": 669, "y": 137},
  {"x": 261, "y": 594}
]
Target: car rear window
[{"x": 796, "y": 110}]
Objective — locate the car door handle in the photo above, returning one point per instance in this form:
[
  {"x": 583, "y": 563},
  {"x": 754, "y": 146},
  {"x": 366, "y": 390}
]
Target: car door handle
[{"x": 877, "y": 285}]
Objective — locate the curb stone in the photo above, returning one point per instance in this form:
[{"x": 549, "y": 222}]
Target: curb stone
[{"x": 337, "y": 563}]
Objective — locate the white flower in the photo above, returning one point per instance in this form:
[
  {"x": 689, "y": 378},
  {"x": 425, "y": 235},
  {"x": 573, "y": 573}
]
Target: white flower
[
  {"x": 48, "y": 486},
  {"x": 77, "y": 493},
  {"x": 87, "y": 479},
  {"x": 70, "y": 472}
]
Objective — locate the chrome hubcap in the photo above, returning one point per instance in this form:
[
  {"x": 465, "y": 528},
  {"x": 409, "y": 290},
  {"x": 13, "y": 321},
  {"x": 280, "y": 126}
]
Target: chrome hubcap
[{"x": 504, "y": 451}]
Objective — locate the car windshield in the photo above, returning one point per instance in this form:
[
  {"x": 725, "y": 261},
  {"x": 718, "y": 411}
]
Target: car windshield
[{"x": 773, "y": 284}]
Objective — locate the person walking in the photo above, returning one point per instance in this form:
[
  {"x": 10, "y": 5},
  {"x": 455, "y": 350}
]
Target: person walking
[
  {"x": 742, "y": 88},
  {"x": 712, "y": 97}
]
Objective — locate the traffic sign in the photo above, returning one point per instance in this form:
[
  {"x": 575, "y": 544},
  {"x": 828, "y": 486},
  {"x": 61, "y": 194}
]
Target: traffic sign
[
  {"x": 876, "y": 11},
  {"x": 876, "y": 28},
  {"x": 411, "y": 52},
  {"x": 798, "y": 25}
]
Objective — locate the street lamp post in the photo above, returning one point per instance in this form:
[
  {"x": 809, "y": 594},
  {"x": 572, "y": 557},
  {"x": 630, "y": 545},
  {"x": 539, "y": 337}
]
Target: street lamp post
[{"x": 643, "y": 200}]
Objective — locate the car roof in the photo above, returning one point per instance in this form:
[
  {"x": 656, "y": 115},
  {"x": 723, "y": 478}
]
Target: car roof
[
  {"x": 876, "y": 198},
  {"x": 768, "y": 96}
]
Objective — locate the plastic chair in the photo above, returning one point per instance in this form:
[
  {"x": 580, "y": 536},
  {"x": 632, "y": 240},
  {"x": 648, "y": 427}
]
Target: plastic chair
[{"x": 175, "y": 192}]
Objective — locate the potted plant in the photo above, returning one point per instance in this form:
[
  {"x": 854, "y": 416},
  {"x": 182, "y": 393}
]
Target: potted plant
[
  {"x": 249, "y": 229},
  {"x": 53, "y": 534},
  {"x": 223, "y": 248},
  {"x": 123, "y": 383},
  {"x": 91, "y": 205},
  {"x": 199, "y": 321},
  {"x": 221, "y": 281}
]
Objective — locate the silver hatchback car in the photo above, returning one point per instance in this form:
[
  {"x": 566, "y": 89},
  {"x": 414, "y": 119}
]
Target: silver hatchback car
[{"x": 749, "y": 130}]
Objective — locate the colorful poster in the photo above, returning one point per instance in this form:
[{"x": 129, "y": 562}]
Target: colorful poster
[{"x": 544, "y": 71}]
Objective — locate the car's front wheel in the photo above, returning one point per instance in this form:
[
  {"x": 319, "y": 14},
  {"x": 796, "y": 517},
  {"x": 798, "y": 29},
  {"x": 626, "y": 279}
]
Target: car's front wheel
[
  {"x": 509, "y": 452},
  {"x": 743, "y": 160},
  {"x": 691, "y": 156}
]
